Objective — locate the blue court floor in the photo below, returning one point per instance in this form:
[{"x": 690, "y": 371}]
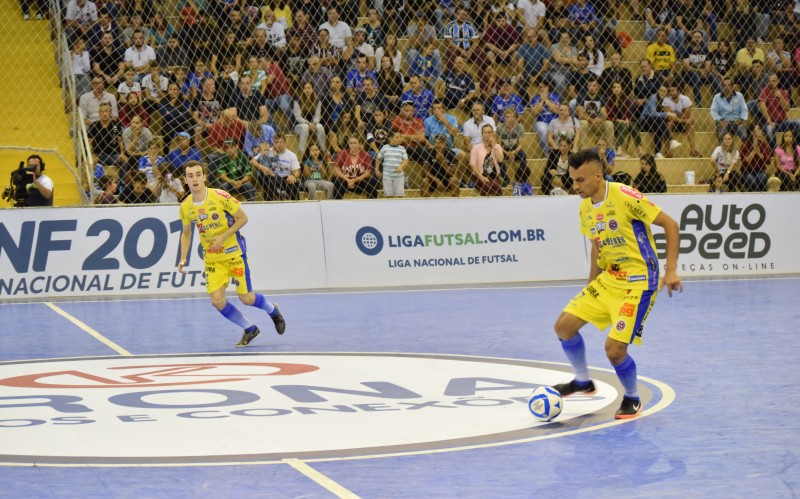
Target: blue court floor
[{"x": 726, "y": 424}]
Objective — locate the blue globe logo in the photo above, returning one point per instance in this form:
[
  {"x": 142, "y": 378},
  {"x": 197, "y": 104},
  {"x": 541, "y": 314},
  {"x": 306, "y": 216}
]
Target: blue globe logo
[{"x": 369, "y": 240}]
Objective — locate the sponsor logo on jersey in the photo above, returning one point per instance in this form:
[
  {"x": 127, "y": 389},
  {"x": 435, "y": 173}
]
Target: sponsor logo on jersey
[{"x": 630, "y": 191}]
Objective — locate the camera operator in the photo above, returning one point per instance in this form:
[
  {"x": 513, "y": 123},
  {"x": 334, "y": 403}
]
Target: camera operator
[{"x": 40, "y": 191}]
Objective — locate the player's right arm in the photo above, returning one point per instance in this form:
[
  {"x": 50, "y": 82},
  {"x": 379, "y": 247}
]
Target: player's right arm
[
  {"x": 594, "y": 268},
  {"x": 186, "y": 240}
]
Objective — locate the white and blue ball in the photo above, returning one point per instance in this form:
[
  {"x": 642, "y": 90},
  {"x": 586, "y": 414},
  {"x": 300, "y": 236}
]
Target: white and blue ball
[{"x": 545, "y": 403}]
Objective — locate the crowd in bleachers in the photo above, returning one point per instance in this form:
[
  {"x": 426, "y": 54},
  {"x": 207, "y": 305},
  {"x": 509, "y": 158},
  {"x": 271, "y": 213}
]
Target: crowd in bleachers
[{"x": 454, "y": 86}]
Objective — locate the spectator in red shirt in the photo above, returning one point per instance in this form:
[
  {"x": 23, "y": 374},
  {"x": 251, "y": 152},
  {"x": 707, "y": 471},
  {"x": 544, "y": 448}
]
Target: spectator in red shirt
[
  {"x": 229, "y": 126},
  {"x": 354, "y": 172},
  {"x": 275, "y": 87},
  {"x": 773, "y": 102},
  {"x": 412, "y": 134},
  {"x": 502, "y": 39},
  {"x": 756, "y": 155}
]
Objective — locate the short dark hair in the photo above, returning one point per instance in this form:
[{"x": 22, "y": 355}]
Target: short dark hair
[
  {"x": 580, "y": 158},
  {"x": 189, "y": 164}
]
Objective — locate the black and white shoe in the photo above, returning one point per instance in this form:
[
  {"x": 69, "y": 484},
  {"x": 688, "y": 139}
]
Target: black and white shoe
[
  {"x": 629, "y": 408},
  {"x": 248, "y": 337},
  {"x": 567, "y": 389},
  {"x": 277, "y": 319}
]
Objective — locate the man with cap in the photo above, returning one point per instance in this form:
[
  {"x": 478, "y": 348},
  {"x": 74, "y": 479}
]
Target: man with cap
[
  {"x": 184, "y": 152},
  {"x": 234, "y": 172},
  {"x": 228, "y": 126}
]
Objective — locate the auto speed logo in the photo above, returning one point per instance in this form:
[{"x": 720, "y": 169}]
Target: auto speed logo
[{"x": 226, "y": 408}]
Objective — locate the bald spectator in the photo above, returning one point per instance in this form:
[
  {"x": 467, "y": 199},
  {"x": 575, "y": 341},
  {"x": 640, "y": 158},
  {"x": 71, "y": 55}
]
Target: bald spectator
[{"x": 318, "y": 75}]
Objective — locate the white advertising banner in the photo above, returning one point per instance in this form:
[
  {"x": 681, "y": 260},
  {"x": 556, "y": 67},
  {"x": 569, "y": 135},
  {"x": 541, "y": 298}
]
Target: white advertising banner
[
  {"x": 734, "y": 234},
  {"x": 453, "y": 241},
  {"x": 134, "y": 250}
]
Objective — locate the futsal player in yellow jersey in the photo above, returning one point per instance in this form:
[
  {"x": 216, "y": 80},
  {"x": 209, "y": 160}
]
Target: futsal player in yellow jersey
[
  {"x": 623, "y": 280},
  {"x": 218, "y": 217}
]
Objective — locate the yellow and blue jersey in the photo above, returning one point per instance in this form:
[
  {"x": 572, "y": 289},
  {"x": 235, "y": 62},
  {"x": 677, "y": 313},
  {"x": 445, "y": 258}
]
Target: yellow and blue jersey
[
  {"x": 211, "y": 218},
  {"x": 620, "y": 225}
]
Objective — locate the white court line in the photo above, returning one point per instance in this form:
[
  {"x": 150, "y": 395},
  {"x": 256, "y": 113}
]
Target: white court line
[
  {"x": 321, "y": 479},
  {"x": 102, "y": 339},
  {"x": 575, "y": 283}
]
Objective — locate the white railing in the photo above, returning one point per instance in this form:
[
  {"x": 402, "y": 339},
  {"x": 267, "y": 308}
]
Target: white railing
[{"x": 80, "y": 142}]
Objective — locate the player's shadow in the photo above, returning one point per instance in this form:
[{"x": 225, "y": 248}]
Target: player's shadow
[{"x": 626, "y": 458}]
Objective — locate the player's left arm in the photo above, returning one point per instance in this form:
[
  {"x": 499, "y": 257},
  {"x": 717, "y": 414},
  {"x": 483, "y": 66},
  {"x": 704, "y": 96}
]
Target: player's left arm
[
  {"x": 239, "y": 219},
  {"x": 671, "y": 279}
]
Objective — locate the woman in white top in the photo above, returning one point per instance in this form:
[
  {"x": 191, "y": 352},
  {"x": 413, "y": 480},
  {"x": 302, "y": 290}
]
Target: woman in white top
[
  {"x": 81, "y": 67},
  {"x": 390, "y": 49},
  {"x": 307, "y": 115},
  {"x": 725, "y": 158},
  {"x": 563, "y": 127},
  {"x": 595, "y": 55}
]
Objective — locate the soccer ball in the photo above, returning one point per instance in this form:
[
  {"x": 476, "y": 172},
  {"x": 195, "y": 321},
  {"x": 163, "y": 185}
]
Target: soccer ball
[{"x": 545, "y": 403}]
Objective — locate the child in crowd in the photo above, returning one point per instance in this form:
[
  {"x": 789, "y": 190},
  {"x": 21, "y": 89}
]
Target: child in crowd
[
  {"x": 773, "y": 184},
  {"x": 557, "y": 187},
  {"x": 717, "y": 185},
  {"x": 108, "y": 189},
  {"x": 391, "y": 160},
  {"x": 315, "y": 173},
  {"x": 128, "y": 85}
]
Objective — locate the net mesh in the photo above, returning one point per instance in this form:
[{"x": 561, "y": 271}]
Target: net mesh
[{"x": 342, "y": 84}]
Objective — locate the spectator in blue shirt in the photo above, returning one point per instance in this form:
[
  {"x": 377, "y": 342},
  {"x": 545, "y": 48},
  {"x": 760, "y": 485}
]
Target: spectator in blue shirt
[
  {"x": 729, "y": 111},
  {"x": 426, "y": 66},
  {"x": 654, "y": 120},
  {"x": 184, "y": 152},
  {"x": 583, "y": 17},
  {"x": 441, "y": 124},
  {"x": 462, "y": 38},
  {"x": 354, "y": 82},
  {"x": 459, "y": 89},
  {"x": 255, "y": 135},
  {"x": 544, "y": 106},
  {"x": 420, "y": 96},
  {"x": 533, "y": 61},
  {"x": 504, "y": 100}
]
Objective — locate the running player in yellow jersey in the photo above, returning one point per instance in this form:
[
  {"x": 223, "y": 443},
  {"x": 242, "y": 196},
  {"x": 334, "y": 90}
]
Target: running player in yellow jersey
[
  {"x": 218, "y": 217},
  {"x": 623, "y": 280}
]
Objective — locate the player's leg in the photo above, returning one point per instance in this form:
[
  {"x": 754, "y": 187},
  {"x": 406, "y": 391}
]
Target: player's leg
[
  {"x": 586, "y": 306},
  {"x": 217, "y": 281},
  {"x": 222, "y": 272},
  {"x": 244, "y": 287},
  {"x": 631, "y": 313}
]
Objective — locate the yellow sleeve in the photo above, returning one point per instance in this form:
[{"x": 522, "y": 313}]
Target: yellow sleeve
[
  {"x": 229, "y": 203},
  {"x": 184, "y": 214},
  {"x": 584, "y": 227}
]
